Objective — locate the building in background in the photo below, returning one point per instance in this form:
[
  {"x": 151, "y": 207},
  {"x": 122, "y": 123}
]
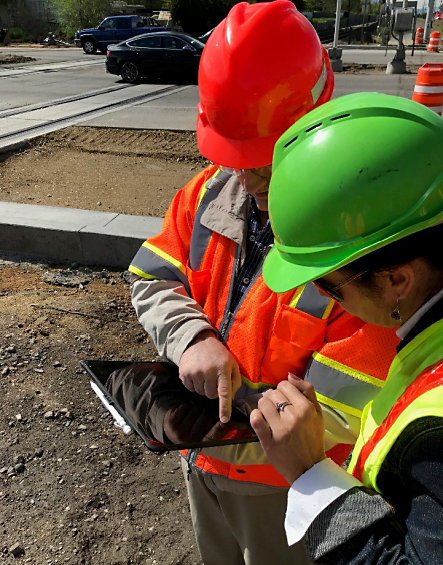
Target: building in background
[{"x": 30, "y": 15}]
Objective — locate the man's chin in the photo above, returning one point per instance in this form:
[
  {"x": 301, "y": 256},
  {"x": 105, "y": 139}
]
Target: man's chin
[{"x": 262, "y": 203}]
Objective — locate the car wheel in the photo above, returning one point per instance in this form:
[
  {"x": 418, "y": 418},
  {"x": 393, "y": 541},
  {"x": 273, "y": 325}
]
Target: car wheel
[
  {"x": 129, "y": 72},
  {"x": 89, "y": 46}
]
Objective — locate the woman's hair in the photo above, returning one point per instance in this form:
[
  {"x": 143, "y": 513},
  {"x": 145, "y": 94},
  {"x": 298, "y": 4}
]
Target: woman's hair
[{"x": 424, "y": 245}]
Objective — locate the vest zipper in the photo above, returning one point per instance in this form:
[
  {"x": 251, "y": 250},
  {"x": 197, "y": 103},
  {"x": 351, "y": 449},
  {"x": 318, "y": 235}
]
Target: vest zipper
[
  {"x": 225, "y": 325},
  {"x": 229, "y": 316},
  {"x": 191, "y": 458}
]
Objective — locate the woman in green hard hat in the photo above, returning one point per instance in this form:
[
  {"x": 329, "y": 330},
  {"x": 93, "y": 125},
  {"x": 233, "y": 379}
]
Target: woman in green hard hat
[{"x": 356, "y": 204}]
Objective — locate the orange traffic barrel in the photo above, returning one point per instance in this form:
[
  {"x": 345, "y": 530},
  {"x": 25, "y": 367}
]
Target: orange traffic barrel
[
  {"x": 434, "y": 41},
  {"x": 419, "y": 33},
  {"x": 429, "y": 87}
]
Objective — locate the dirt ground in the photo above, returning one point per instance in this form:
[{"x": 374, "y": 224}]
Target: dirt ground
[
  {"x": 126, "y": 171},
  {"x": 73, "y": 488},
  {"x": 12, "y": 59},
  {"x": 373, "y": 69}
]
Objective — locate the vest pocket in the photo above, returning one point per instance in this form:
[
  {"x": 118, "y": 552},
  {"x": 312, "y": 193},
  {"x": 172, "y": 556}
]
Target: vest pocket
[
  {"x": 294, "y": 338},
  {"x": 199, "y": 282}
]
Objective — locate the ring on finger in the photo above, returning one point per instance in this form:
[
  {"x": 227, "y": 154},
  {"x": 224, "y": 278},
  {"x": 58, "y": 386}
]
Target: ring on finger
[{"x": 282, "y": 405}]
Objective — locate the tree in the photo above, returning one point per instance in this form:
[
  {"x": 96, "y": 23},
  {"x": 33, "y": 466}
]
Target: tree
[
  {"x": 199, "y": 16},
  {"x": 80, "y": 14}
]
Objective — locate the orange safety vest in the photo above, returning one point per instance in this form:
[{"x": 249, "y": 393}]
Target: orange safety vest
[{"x": 269, "y": 334}]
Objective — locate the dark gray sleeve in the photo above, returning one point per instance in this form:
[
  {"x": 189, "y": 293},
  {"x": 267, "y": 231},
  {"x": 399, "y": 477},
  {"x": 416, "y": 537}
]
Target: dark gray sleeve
[
  {"x": 360, "y": 527},
  {"x": 350, "y": 514}
]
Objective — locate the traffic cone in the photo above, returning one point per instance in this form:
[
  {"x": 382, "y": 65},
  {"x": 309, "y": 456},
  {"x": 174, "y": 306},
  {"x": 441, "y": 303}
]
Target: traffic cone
[
  {"x": 434, "y": 42},
  {"x": 429, "y": 87},
  {"x": 419, "y": 33}
]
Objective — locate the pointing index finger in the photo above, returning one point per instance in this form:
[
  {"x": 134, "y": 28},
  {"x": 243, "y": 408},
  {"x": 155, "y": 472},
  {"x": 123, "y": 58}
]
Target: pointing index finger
[{"x": 224, "y": 389}]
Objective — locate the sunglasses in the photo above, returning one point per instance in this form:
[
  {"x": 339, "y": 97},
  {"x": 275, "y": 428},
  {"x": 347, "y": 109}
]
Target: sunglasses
[{"x": 332, "y": 291}]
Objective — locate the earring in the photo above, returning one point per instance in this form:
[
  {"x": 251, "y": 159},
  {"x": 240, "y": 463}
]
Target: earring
[{"x": 395, "y": 314}]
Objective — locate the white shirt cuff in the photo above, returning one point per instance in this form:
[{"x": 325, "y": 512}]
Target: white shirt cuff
[{"x": 311, "y": 493}]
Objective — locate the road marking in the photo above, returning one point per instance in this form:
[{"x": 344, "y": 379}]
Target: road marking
[{"x": 48, "y": 67}]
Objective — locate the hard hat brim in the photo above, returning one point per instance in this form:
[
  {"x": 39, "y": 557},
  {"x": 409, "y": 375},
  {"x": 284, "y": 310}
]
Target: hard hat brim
[
  {"x": 235, "y": 153},
  {"x": 281, "y": 276}
]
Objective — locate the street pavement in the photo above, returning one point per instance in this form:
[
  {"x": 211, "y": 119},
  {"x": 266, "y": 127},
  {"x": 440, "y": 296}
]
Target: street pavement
[
  {"x": 67, "y": 72},
  {"x": 62, "y": 85}
]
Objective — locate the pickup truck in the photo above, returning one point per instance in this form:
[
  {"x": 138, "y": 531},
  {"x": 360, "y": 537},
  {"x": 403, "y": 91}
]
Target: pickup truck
[{"x": 114, "y": 30}]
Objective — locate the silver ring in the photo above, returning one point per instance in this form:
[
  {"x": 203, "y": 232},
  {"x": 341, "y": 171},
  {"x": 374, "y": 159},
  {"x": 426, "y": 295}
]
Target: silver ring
[{"x": 282, "y": 405}]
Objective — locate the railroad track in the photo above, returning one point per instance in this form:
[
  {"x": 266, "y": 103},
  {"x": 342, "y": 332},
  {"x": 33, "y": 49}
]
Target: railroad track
[{"x": 56, "y": 114}]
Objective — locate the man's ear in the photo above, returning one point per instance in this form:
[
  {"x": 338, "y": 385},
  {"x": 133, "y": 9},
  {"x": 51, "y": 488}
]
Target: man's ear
[{"x": 402, "y": 280}]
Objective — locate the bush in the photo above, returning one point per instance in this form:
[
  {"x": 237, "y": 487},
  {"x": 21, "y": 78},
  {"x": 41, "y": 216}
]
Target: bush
[{"x": 19, "y": 34}]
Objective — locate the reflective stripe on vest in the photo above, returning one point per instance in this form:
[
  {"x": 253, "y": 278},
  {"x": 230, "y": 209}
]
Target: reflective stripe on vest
[
  {"x": 340, "y": 386},
  {"x": 413, "y": 390},
  {"x": 423, "y": 398},
  {"x": 161, "y": 265},
  {"x": 201, "y": 235},
  {"x": 308, "y": 299}
]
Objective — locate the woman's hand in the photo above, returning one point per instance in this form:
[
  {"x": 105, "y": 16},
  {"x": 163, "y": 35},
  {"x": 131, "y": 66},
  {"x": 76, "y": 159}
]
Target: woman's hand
[{"x": 292, "y": 437}]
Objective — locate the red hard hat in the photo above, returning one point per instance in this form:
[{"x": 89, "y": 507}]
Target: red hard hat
[{"x": 262, "y": 68}]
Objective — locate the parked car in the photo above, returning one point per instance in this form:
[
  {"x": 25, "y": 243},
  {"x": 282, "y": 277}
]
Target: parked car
[
  {"x": 155, "y": 55},
  {"x": 114, "y": 30},
  {"x": 204, "y": 38}
]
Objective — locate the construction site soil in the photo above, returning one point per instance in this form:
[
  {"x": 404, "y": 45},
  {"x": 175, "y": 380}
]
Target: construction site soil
[
  {"x": 73, "y": 488},
  {"x": 112, "y": 170}
]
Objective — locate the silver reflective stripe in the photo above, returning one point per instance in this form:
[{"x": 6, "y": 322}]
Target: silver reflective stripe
[
  {"x": 245, "y": 390},
  {"x": 312, "y": 302},
  {"x": 429, "y": 89},
  {"x": 339, "y": 386},
  {"x": 155, "y": 266},
  {"x": 239, "y": 454},
  {"x": 200, "y": 234},
  {"x": 317, "y": 90}
]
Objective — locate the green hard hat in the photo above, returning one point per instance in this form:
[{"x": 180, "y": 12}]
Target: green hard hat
[{"x": 350, "y": 177}]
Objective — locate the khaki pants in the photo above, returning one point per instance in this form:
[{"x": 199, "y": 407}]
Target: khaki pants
[{"x": 233, "y": 528}]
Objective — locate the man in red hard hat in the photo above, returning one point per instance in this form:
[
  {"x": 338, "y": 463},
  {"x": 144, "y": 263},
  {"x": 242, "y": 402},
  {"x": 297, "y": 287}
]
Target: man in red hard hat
[{"x": 198, "y": 290}]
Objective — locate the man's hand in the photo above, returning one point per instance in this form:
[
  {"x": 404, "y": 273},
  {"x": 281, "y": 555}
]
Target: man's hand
[
  {"x": 292, "y": 437},
  {"x": 207, "y": 367}
]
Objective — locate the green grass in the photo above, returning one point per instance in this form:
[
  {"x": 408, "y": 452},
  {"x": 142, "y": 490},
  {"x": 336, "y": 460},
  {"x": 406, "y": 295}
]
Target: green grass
[{"x": 20, "y": 34}]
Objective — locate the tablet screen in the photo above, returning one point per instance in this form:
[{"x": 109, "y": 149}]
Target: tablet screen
[{"x": 154, "y": 402}]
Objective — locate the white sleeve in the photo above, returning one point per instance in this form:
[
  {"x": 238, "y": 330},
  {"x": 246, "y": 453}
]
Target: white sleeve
[{"x": 311, "y": 493}]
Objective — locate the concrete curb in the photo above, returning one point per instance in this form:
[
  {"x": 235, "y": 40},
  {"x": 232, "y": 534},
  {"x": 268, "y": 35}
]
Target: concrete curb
[
  {"x": 18, "y": 146},
  {"x": 70, "y": 235}
]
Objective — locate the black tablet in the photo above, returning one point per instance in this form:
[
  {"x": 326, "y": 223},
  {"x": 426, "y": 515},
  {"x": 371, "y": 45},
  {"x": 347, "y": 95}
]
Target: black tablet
[{"x": 152, "y": 401}]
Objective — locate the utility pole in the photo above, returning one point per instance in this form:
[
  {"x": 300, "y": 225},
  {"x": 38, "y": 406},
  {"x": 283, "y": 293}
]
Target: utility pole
[
  {"x": 335, "y": 52},
  {"x": 398, "y": 64},
  {"x": 429, "y": 18}
]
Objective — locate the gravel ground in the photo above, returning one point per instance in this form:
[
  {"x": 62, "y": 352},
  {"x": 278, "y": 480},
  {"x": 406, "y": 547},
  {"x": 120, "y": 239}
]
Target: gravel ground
[{"x": 73, "y": 488}]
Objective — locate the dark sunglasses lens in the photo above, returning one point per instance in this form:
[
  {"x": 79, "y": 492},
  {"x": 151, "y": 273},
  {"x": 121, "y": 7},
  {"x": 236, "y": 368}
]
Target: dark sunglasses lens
[{"x": 335, "y": 294}]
